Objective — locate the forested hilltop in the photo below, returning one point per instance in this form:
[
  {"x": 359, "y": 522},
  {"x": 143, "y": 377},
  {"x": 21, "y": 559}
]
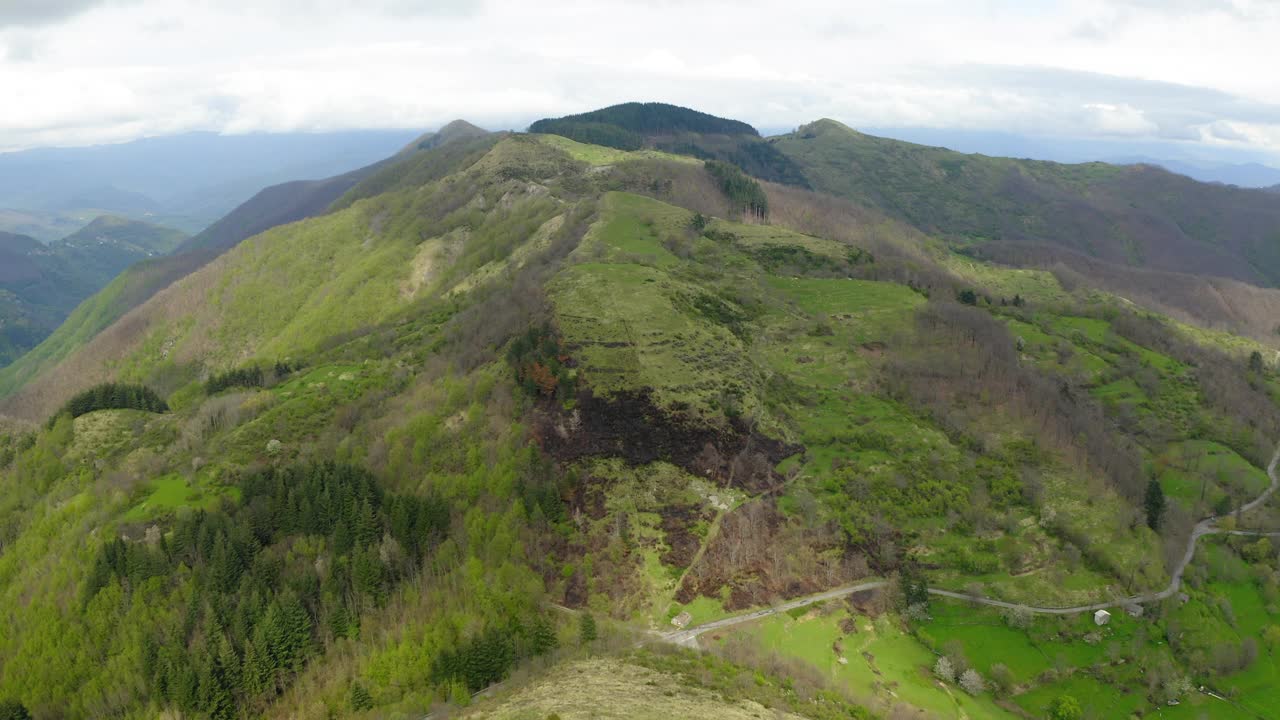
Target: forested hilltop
[{"x": 515, "y": 421}]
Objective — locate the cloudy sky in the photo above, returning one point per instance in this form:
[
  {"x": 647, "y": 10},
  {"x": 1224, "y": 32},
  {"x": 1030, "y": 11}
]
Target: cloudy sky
[{"x": 1195, "y": 71}]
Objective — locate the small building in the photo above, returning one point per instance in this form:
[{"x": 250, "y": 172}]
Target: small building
[
  {"x": 682, "y": 620},
  {"x": 1102, "y": 617},
  {"x": 1134, "y": 610}
]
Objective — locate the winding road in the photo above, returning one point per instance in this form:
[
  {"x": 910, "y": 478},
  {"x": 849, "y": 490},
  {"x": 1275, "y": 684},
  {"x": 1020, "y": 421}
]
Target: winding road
[{"x": 1208, "y": 526}]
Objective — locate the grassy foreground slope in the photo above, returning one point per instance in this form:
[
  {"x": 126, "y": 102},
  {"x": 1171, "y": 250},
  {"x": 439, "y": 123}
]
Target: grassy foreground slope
[{"x": 559, "y": 374}]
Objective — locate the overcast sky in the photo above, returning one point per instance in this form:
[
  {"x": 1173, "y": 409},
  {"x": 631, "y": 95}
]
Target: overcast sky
[{"x": 85, "y": 71}]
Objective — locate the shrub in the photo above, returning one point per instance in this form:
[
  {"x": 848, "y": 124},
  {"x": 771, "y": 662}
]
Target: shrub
[
  {"x": 972, "y": 682},
  {"x": 944, "y": 669},
  {"x": 13, "y": 710},
  {"x": 587, "y": 630},
  {"x": 360, "y": 699},
  {"x": 1065, "y": 707}
]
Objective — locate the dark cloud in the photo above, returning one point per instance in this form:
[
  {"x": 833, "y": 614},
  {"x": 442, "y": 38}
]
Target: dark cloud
[{"x": 29, "y": 13}]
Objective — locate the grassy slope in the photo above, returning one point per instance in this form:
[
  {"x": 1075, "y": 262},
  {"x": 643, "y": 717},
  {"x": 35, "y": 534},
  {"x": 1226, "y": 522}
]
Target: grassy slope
[{"x": 608, "y": 688}]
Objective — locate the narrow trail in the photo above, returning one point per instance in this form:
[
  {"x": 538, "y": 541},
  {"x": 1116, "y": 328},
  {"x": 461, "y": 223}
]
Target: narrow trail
[{"x": 1207, "y": 526}]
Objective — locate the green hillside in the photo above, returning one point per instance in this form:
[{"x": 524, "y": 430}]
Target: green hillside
[
  {"x": 472, "y": 440},
  {"x": 273, "y": 206},
  {"x": 1198, "y": 252},
  {"x": 1138, "y": 215}
]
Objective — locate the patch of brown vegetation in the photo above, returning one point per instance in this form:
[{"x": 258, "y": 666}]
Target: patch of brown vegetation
[
  {"x": 763, "y": 558},
  {"x": 632, "y": 427},
  {"x": 678, "y": 522}
]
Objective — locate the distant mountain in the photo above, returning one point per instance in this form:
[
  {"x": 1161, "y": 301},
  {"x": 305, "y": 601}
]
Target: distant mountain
[
  {"x": 185, "y": 181},
  {"x": 1139, "y": 216},
  {"x": 1246, "y": 175},
  {"x": 456, "y": 130},
  {"x": 1206, "y": 164},
  {"x": 40, "y": 284},
  {"x": 674, "y": 129}
]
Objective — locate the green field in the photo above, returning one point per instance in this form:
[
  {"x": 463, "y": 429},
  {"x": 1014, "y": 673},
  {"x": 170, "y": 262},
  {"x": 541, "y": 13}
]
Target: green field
[
  {"x": 171, "y": 492},
  {"x": 1201, "y": 473},
  {"x": 884, "y": 666}
]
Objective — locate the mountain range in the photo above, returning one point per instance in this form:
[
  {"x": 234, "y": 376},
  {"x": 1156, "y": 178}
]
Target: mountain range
[
  {"x": 183, "y": 181},
  {"x": 645, "y": 414}
]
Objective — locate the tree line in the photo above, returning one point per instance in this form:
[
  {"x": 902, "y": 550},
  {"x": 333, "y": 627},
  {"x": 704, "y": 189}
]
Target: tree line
[
  {"x": 114, "y": 396},
  {"x": 643, "y": 119},
  {"x": 251, "y": 376},
  {"x": 745, "y": 195}
]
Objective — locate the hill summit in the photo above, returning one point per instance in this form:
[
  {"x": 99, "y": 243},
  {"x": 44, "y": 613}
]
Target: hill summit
[{"x": 679, "y": 130}]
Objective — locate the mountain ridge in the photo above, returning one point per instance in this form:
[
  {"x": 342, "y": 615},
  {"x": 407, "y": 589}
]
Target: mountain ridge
[
  {"x": 271, "y": 207},
  {"x": 1131, "y": 215}
]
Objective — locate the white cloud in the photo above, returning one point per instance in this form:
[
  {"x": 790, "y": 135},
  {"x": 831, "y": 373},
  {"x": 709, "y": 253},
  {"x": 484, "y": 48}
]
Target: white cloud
[
  {"x": 115, "y": 69},
  {"x": 1119, "y": 120}
]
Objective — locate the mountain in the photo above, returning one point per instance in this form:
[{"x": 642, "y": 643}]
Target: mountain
[
  {"x": 271, "y": 207},
  {"x": 185, "y": 181},
  {"x": 670, "y": 128},
  {"x": 529, "y": 427},
  {"x": 1206, "y": 164},
  {"x": 1138, "y": 216},
  {"x": 39, "y": 284}
]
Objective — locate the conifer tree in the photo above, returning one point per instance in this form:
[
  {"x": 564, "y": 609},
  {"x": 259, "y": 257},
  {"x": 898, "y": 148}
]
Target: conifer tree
[
  {"x": 587, "y": 630},
  {"x": 360, "y": 698},
  {"x": 542, "y": 636},
  {"x": 1154, "y": 504}
]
